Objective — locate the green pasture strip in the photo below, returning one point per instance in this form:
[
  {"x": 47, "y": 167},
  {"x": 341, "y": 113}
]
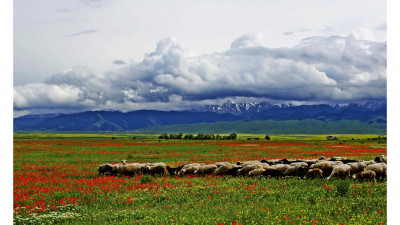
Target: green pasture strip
[{"x": 154, "y": 136}]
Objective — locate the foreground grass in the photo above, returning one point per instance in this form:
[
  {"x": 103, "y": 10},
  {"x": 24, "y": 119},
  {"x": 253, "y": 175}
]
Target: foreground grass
[
  {"x": 210, "y": 200},
  {"x": 56, "y": 181}
]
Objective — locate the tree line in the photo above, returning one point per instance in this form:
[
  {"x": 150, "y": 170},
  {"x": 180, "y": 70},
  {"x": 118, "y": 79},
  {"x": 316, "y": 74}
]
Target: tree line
[{"x": 200, "y": 136}]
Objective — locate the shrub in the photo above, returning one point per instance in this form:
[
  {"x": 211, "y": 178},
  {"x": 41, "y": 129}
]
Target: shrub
[
  {"x": 145, "y": 179},
  {"x": 342, "y": 187}
]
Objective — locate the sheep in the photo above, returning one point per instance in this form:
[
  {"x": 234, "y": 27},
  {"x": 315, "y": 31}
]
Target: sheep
[
  {"x": 250, "y": 163},
  {"x": 284, "y": 161},
  {"x": 281, "y": 167},
  {"x": 233, "y": 171},
  {"x": 256, "y": 172},
  {"x": 171, "y": 171},
  {"x": 116, "y": 169},
  {"x": 365, "y": 175},
  {"x": 340, "y": 171},
  {"x": 174, "y": 171},
  {"x": 326, "y": 167},
  {"x": 222, "y": 170},
  {"x": 310, "y": 162},
  {"x": 295, "y": 171},
  {"x": 155, "y": 168},
  {"x": 105, "y": 169},
  {"x": 189, "y": 169},
  {"x": 314, "y": 173},
  {"x": 384, "y": 159},
  {"x": 129, "y": 169},
  {"x": 380, "y": 170},
  {"x": 357, "y": 167},
  {"x": 337, "y": 158},
  {"x": 271, "y": 172},
  {"x": 274, "y": 162},
  {"x": 219, "y": 164},
  {"x": 246, "y": 169},
  {"x": 207, "y": 169},
  {"x": 299, "y": 164},
  {"x": 370, "y": 162},
  {"x": 265, "y": 161},
  {"x": 321, "y": 164},
  {"x": 336, "y": 163}
]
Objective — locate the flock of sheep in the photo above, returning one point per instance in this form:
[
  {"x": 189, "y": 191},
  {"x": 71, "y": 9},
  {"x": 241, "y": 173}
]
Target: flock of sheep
[{"x": 338, "y": 167}]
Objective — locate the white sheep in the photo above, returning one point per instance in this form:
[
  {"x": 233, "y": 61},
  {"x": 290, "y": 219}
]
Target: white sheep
[
  {"x": 207, "y": 169},
  {"x": 222, "y": 170},
  {"x": 336, "y": 163},
  {"x": 249, "y": 167},
  {"x": 256, "y": 172},
  {"x": 281, "y": 167},
  {"x": 155, "y": 168},
  {"x": 357, "y": 167},
  {"x": 186, "y": 170},
  {"x": 380, "y": 170},
  {"x": 299, "y": 164},
  {"x": 340, "y": 171}
]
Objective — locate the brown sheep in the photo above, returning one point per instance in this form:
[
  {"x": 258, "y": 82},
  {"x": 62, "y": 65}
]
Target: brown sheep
[
  {"x": 366, "y": 175},
  {"x": 295, "y": 171},
  {"x": 271, "y": 172}
]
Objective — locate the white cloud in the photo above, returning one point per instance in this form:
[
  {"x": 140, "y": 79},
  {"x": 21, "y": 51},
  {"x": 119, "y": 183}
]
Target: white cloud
[
  {"x": 248, "y": 40},
  {"x": 317, "y": 69}
]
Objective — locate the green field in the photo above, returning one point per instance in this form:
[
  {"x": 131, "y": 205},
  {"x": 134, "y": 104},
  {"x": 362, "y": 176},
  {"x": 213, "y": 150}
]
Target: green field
[{"x": 56, "y": 181}]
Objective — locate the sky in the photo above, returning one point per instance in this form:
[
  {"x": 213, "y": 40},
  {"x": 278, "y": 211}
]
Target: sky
[{"x": 79, "y": 55}]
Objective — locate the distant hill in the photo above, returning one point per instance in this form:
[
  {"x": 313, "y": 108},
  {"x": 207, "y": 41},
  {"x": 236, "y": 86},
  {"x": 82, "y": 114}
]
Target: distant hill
[
  {"x": 117, "y": 121},
  {"x": 243, "y": 117}
]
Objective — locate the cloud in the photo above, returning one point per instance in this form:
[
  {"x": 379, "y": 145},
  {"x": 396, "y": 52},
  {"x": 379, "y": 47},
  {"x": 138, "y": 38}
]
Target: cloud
[
  {"x": 318, "y": 69},
  {"x": 81, "y": 33},
  {"x": 288, "y": 33},
  {"x": 248, "y": 40},
  {"x": 382, "y": 27},
  {"x": 119, "y": 62}
]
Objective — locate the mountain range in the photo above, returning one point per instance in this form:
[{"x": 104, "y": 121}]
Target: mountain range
[{"x": 370, "y": 115}]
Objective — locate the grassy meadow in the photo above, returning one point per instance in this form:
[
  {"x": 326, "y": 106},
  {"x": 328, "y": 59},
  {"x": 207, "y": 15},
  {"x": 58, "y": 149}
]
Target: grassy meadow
[{"x": 56, "y": 181}]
